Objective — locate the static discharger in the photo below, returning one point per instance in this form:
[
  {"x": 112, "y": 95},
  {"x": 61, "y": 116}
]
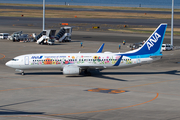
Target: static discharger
[{"x": 103, "y": 90}]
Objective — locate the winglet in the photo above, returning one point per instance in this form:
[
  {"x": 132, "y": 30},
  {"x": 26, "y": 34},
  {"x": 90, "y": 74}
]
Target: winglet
[
  {"x": 119, "y": 60},
  {"x": 101, "y": 48}
]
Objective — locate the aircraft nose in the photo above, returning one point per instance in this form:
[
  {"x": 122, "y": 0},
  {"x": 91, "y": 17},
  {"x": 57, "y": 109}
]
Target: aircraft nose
[{"x": 8, "y": 64}]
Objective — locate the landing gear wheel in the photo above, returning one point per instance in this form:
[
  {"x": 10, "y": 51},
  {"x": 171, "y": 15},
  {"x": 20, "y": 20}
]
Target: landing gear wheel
[{"x": 22, "y": 73}]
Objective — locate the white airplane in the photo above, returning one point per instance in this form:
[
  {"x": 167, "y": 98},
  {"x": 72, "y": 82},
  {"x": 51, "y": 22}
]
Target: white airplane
[{"x": 75, "y": 63}]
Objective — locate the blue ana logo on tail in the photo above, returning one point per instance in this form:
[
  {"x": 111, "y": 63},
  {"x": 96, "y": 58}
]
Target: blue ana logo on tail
[{"x": 153, "y": 40}]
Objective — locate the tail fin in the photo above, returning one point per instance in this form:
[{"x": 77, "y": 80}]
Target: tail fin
[{"x": 154, "y": 42}]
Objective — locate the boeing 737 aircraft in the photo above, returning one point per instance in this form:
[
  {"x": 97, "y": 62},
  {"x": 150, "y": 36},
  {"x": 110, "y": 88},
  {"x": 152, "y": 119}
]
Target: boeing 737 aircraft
[{"x": 74, "y": 63}]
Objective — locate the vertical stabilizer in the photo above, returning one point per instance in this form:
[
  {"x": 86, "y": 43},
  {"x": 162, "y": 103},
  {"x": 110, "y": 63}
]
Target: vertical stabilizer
[{"x": 154, "y": 42}]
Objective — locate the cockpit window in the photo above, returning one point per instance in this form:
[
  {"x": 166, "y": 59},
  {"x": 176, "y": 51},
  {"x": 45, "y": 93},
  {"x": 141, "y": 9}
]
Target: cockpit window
[{"x": 15, "y": 59}]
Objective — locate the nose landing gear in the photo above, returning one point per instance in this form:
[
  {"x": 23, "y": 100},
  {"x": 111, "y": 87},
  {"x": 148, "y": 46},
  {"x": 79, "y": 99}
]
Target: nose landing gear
[{"x": 22, "y": 73}]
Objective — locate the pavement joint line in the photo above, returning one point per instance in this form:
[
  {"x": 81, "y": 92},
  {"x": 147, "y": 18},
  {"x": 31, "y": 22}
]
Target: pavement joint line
[
  {"x": 3, "y": 56},
  {"x": 148, "y": 84},
  {"x": 105, "y": 110}
]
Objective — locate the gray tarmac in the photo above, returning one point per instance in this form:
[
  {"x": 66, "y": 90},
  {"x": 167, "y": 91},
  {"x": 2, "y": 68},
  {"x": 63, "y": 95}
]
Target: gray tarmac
[{"x": 151, "y": 90}]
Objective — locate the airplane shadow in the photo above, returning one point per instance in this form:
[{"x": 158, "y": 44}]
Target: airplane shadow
[
  {"x": 173, "y": 72},
  {"x": 98, "y": 76},
  {"x": 102, "y": 74},
  {"x": 14, "y": 112},
  {"x": 4, "y": 111},
  {"x": 42, "y": 73}
]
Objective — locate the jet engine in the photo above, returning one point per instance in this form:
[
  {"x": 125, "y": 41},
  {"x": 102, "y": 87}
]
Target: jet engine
[{"x": 71, "y": 70}]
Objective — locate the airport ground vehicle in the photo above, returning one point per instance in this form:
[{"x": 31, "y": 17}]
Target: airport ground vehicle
[
  {"x": 18, "y": 36},
  {"x": 136, "y": 45},
  {"x": 4, "y": 35},
  {"x": 167, "y": 47},
  {"x": 49, "y": 41},
  {"x": 46, "y": 37},
  {"x": 75, "y": 63},
  {"x": 64, "y": 35}
]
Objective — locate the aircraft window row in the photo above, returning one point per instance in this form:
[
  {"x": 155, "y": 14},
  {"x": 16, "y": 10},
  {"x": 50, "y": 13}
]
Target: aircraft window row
[
  {"x": 46, "y": 60},
  {"x": 15, "y": 59},
  {"x": 97, "y": 59},
  {"x": 72, "y": 60},
  {"x": 126, "y": 59},
  {"x": 82, "y": 60}
]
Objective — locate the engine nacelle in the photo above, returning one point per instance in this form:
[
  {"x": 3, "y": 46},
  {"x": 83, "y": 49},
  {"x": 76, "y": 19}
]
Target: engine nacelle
[{"x": 71, "y": 70}]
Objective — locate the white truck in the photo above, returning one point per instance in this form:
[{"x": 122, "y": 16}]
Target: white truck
[
  {"x": 18, "y": 36},
  {"x": 48, "y": 41},
  {"x": 166, "y": 47},
  {"x": 4, "y": 35}
]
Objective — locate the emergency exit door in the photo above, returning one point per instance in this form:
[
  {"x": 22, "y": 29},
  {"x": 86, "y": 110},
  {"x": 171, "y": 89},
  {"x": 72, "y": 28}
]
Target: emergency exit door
[{"x": 26, "y": 60}]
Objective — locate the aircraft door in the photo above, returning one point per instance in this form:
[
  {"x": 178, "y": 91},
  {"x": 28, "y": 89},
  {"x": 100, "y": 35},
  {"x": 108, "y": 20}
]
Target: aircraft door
[
  {"x": 138, "y": 59},
  {"x": 26, "y": 60}
]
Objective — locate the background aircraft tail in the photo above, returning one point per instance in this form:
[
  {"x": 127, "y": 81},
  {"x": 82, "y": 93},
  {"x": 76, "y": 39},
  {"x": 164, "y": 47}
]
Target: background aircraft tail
[{"x": 153, "y": 44}]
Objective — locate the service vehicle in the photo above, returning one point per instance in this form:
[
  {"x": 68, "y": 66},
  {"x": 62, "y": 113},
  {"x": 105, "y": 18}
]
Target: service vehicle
[
  {"x": 166, "y": 47},
  {"x": 4, "y": 35}
]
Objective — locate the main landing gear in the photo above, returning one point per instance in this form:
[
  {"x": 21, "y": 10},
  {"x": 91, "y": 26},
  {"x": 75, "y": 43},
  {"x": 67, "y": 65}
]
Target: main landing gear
[{"x": 87, "y": 72}]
